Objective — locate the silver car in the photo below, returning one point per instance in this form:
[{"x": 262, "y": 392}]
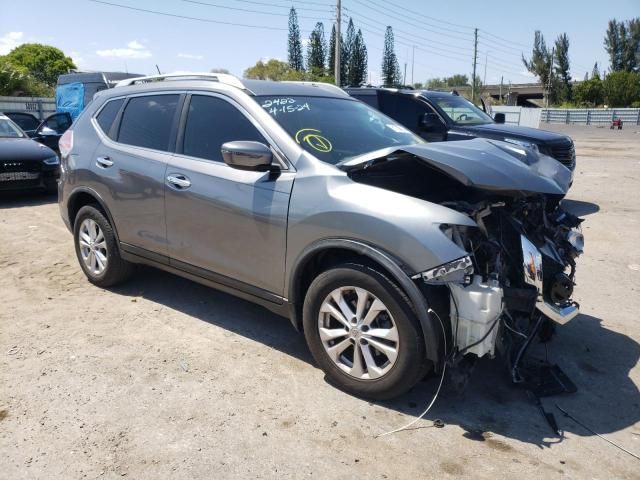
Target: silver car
[{"x": 394, "y": 257}]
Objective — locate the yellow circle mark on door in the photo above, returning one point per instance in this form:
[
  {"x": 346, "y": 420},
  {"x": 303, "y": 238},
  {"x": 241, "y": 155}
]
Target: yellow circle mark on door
[{"x": 312, "y": 137}]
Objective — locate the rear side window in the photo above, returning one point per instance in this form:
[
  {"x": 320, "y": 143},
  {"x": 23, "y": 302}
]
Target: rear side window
[
  {"x": 108, "y": 114},
  {"x": 369, "y": 99},
  {"x": 406, "y": 110},
  {"x": 211, "y": 122},
  {"x": 147, "y": 121}
]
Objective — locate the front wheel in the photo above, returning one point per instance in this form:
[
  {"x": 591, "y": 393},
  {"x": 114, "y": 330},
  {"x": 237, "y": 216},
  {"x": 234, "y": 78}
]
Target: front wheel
[{"x": 363, "y": 333}]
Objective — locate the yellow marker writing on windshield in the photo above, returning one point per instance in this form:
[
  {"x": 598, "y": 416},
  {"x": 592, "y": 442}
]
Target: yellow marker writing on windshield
[{"x": 312, "y": 137}]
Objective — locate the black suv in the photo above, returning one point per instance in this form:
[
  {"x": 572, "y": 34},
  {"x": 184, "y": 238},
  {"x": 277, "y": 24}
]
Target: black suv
[{"x": 442, "y": 116}]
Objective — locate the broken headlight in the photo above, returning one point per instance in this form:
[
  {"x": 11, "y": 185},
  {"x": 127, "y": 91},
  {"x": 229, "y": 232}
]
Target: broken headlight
[{"x": 456, "y": 271}]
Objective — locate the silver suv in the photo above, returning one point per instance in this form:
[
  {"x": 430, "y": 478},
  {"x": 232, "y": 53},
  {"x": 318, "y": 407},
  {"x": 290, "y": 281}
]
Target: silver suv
[{"x": 394, "y": 256}]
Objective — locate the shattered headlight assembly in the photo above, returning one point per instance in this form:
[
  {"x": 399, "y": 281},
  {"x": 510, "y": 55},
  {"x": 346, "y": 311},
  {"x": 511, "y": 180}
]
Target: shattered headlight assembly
[
  {"x": 523, "y": 143},
  {"x": 457, "y": 271}
]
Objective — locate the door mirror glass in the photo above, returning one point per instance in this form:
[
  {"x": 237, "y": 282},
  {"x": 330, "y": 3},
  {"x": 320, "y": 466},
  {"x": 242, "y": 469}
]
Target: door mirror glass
[
  {"x": 500, "y": 117},
  {"x": 430, "y": 122},
  {"x": 45, "y": 131},
  {"x": 246, "y": 155}
]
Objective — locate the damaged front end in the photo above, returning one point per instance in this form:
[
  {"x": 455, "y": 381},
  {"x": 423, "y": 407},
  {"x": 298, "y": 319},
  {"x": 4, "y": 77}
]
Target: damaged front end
[{"x": 518, "y": 277}]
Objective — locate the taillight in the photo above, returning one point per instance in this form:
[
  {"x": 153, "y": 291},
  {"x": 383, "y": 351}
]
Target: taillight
[{"x": 66, "y": 143}]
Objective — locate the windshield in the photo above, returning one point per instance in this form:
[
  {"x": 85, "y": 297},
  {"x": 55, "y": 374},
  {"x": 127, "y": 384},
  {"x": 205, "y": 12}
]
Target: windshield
[
  {"x": 461, "y": 111},
  {"x": 8, "y": 129},
  {"x": 335, "y": 129}
]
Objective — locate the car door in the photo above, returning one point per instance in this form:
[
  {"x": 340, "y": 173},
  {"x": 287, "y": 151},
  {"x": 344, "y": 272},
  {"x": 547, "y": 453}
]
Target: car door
[
  {"x": 52, "y": 128},
  {"x": 225, "y": 224},
  {"x": 138, "y": 138}
]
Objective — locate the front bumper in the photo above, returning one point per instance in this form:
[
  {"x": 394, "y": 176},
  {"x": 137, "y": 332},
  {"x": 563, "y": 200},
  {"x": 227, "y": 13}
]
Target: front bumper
[{"x": 44, "y": 179}]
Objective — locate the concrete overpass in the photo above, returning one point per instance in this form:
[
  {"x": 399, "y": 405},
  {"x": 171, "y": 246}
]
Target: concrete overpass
[{"x": 515, "y": 94}]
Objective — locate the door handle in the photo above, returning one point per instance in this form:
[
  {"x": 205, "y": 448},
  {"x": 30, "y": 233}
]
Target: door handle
[
  {"x": 104, "y": 162},
  {"x": 178, "y": 181}
]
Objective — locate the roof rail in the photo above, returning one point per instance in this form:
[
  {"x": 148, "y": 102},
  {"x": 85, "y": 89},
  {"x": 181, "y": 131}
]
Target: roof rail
[
  {"x": 326, "y": 86},
  {"x": 225, "y": 78}
]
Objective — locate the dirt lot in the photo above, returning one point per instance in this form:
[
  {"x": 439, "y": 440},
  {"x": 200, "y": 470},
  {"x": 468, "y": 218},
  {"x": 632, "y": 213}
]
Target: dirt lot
[{"x": 164, "y": 378}]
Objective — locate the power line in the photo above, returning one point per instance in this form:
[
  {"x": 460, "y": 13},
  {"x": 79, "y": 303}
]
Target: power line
[
  {"x": 411, "y": 36},
  {"x": 407, "y": 22},
  {"x": 214, "y": 5},
  {"x": 185, "y": 17},
  {"x": 413, "y": 12},
  {"x": 290, "y": 4}
]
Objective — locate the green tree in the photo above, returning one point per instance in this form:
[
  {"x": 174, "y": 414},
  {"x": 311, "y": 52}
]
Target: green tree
[
  {"x": 316, "y": 51},
  {"x": 457, "y": 80},
  {"x": 540, "y": 65},
  {"x": 357, "y": 68},
  {"x": 613, "y": 45},
  {"x": 43, "y": 62},
  {"x": 273, "y": 70},
  {"x": 296, "y": 61},
  {"x": 622, "y": 43},
  {"x": 621, "y": 88},
  {"x": 596, "y": 71},
  {"x": 349, "y": 42},
  {"x": 562, "y": 67},
  {"x": 390, "y": 66},
  {"x": 219, "y": 70},
  {"x": 589, "y": 93}
]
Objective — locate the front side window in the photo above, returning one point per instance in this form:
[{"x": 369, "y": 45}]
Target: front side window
[
  {"x": 461, "y": 111},
  {"x": 59, "y": 122},
  {"x": 408, "y": 110},
  {"x": 147, "y": 121},
  {"x": 336, "y": 129},
  {"x": 8, "y": 129},
  {"x": 211, "y": 122},
  {"x": 107, "y": 115}
]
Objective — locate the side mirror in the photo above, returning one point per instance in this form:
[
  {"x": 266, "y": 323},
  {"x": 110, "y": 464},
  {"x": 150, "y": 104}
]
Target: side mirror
[
  {"x": 45, "y": 131},
  {"x": 430, "y": 122},
  {"x": 245, "y": 155},
  {"x": 500, "y": 117}
]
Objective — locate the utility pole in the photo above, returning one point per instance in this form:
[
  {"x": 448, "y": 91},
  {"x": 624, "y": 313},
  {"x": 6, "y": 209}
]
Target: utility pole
[
  {"x": 553, "y": 54},
  {"x": 486, "y": 56},
  {"x": 338, "y": 42},
  {"x": 475, "y": 61},
  {"x": 413, "y": 58},
  {"x": 501, "y": 80},
  {"x": 404, "y": 78}
]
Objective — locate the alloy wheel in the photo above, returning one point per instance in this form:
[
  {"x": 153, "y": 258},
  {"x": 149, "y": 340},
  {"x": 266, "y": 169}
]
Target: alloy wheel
[
  {"x": 93, "y": 246},
  {"x": 358, "y": 333}
]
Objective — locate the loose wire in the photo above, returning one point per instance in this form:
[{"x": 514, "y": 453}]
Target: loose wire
[{"x": 433, "y": 400}]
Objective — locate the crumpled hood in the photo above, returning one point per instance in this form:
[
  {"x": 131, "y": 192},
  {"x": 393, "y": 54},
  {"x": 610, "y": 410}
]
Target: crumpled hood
[{"x": 489, "y": 165}]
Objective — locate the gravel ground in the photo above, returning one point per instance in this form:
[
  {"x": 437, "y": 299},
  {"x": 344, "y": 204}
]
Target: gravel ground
[{"x": 164, "y": 378}]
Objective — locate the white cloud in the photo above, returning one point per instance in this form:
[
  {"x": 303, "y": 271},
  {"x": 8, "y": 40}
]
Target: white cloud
[
  {"x": 77, "y": 58},
  {"x": 9, "y": 41},
  {"x": 135, "y": 45},
  {"x": 190, "y": 56},
  {"x": 134, "y": 50}
]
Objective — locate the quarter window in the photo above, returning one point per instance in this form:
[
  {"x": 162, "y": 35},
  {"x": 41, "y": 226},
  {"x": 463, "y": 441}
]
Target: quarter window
[
  {"x": 108, "y": 114},
  {"x": 147, "y": 121},
  {"x": 211, "y": 122}
]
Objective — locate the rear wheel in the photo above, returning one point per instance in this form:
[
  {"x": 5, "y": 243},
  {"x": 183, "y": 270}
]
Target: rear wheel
[
  {"x": 97, "y": 250},
  {"x": 362, "y": 331}
]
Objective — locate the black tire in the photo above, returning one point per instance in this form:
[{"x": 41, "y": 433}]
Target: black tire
[
  {"x": 117, "y": 269},
  {"x": 410, "y": 365}
]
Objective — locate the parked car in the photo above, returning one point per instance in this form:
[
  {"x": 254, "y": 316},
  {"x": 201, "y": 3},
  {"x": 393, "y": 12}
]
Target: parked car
[
  {"x": 442, "y": 116},
  {"x": 47, "y": 132},
  {"x": 25, "y": 164},
  {"x": 391, "y": 254}
]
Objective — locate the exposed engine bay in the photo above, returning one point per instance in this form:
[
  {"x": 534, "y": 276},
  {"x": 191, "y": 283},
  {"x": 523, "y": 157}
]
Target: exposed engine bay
[{"x": 519, "y": 275}]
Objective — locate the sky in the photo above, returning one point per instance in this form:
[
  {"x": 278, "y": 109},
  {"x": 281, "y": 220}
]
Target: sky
[{"x": 433, "y": 38}]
